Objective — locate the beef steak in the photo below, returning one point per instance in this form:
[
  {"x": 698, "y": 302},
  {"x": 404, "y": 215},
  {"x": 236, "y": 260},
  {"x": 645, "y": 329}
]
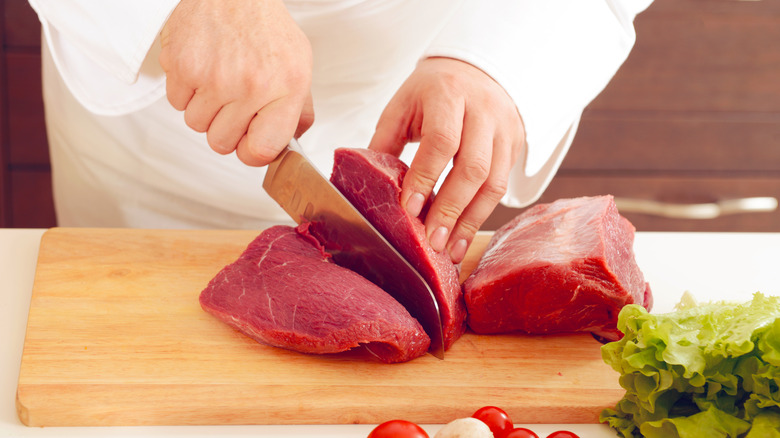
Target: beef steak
[
  {"x": 372, "y": 182},
  {"x": 284, "y": 291},
  {"x": 559, "y": 267}
]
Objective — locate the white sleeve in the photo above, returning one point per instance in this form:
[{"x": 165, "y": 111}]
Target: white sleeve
[
  {"x": 552, "y": 57},
  {"x": 106, "y": 51}
]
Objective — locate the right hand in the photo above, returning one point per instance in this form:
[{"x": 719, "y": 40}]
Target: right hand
[{"x": 241, "y": 72}]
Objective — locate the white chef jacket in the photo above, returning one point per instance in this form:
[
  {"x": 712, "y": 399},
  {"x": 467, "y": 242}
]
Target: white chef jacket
[{"x": 123, "y": 157}]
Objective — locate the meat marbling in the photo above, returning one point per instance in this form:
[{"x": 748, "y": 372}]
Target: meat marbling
[
  {"x": 372, "y": 182},
  {"x": 284, "y": 291},
  {"x": 559, "y": 267}
]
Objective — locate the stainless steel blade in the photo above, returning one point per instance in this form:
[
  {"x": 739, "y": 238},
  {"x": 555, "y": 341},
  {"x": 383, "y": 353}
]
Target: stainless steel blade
[{"x": 306, "y": 195}]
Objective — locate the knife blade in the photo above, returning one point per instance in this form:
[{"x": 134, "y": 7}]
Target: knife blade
[{"x": 307, "y": 195}]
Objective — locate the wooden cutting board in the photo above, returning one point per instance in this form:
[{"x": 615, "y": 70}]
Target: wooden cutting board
[{"x": 116, "y": 336}]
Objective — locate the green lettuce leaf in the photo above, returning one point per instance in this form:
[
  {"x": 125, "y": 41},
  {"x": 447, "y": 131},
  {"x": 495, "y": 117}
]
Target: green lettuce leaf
[{"x": 703, "y": 370}]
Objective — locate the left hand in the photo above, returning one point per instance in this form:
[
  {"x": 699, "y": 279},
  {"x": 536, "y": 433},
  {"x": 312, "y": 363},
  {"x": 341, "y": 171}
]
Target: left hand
[{"x": 457, "y": 112}]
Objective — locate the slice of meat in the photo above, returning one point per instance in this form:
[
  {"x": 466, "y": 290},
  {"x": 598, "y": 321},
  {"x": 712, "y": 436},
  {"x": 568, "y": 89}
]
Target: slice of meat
[
  {"x": 284, "y": 291},
  {"x": 372, "y": 182},
  {"x": 560, "y": 267}
]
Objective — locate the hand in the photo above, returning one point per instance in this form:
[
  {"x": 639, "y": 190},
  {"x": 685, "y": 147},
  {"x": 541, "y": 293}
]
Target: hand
[
  {"x": 459, "y": 113},
  {"x": 241, "y": 72}
]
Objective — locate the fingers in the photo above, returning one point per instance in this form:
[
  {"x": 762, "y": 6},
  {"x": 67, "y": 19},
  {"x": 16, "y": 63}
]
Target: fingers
[
  {"x": 484, "y": 202},
  {"x": 225, "y": 127},
  {"x": 200, "y": 111},
  {"x": 178, "y": 93},
  {"x": 460, "y": 190},
  {"x": 228, "y": 127},
  {"x": 255, "y": 136},
  {"x": 270, "y": 130},
  {"x": 440, "y": 137},
  {"x": 473, "y": 187}
]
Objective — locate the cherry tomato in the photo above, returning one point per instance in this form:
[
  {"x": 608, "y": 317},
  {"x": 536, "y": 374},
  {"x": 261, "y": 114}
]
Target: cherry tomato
[
  {"x": 497, "y": 420},
  {"x": 521, "y": 432},
  {"x": 398, "y": 429},
  {"x": 563, "y": 434}
]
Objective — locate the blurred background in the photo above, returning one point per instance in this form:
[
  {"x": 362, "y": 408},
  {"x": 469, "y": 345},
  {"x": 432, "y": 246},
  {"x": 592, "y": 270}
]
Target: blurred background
[{"x": 691, "y": 120}]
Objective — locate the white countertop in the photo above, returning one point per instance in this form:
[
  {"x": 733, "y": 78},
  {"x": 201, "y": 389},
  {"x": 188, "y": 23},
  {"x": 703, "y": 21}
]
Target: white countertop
[{"x": 712, "y": 266}]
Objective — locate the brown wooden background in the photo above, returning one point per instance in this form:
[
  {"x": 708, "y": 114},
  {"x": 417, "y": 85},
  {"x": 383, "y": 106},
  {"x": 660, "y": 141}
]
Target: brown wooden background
[
  {"x": 25, "y": 184},
  {"x": 693, "y": 116}
]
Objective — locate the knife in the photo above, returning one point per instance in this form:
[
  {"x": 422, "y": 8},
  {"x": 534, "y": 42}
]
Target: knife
[{"x": 308, "y": 196}]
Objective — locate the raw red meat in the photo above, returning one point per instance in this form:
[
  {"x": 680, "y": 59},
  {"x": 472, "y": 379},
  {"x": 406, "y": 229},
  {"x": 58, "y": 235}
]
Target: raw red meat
[
  {"x": 284, "y": 291},
  {"x": 372, "y": 183},
  {"x": 560, "y": 267}
]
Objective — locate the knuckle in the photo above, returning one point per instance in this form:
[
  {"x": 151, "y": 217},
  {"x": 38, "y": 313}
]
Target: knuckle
[
  {"x": 468, "y": 226},
  {"x": 518, "y": 147},
  {"x": 422, "y": 179},
  {"x": 177, "y": 103},
  {"x": 475, "y": 171},
  {"x": 494, "y": 189},
  {"x": 299, "y": 74},
  {"x": 449, "y": 80},
  {"x": 183, "y": 68},
  {"x": 443, "y": 141},
  {"x": 252, "y": 86},
  {"x": 177, "y": 93},
  {"x": 165, "y": 60},
  {"x": 448, "y": 211},
  {"x": 221, "y": 87}
]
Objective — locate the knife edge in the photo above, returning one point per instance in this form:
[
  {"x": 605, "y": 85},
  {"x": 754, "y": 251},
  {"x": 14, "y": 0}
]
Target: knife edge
[{"x": 307, "y": 195}]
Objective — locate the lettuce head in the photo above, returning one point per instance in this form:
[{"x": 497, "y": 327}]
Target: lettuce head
[{"x": 710, "y": 370}]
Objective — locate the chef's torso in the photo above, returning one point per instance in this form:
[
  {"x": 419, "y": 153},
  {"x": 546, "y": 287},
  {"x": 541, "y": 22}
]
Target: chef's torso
[{"x": 146, "y": 168}]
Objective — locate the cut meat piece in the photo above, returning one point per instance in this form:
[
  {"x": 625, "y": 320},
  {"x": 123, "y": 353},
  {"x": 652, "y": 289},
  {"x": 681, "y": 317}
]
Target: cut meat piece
[
  {"x": 372, "y": 182},
  {"x": 559, "y": 267},
  {"x": 284, "y": 291}
]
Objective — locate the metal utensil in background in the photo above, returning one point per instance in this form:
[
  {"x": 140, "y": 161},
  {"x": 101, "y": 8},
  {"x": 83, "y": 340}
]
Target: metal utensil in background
[{"x": 706, "y": 210}]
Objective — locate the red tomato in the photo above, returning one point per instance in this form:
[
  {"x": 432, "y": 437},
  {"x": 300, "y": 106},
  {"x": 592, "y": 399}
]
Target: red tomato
[
  {"x": 563, "y": 434},
  {"x": 521, "y": 432},
  {"x": 497, "y": 420},
  {"x": 398, "y": 429}
]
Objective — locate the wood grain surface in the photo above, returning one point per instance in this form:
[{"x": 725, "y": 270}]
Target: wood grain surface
[{"x": 116, "y": 336}]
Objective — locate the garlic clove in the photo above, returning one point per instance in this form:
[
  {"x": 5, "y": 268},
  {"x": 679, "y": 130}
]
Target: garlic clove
[{"x": 464, "y": 428}]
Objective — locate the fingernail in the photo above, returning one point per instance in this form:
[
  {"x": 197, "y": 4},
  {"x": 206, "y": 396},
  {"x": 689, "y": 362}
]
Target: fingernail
[
  {"x": 438, "y": 239},
  {"x": 458, "y": 251},
  {"x": 415, "y": 204}
]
